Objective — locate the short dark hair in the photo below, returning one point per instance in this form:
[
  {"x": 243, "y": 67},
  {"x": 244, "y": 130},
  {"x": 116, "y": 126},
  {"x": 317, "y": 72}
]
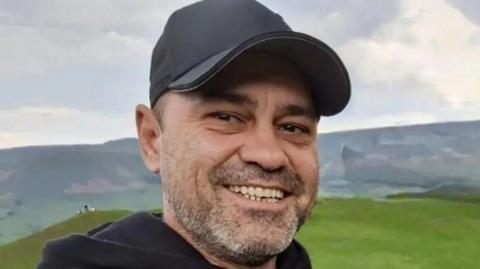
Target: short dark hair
[{"x": 159, "y": 109}]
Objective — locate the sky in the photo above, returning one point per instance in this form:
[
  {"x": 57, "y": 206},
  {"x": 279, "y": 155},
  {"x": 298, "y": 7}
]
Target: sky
[{"x": 72, "y": 71}]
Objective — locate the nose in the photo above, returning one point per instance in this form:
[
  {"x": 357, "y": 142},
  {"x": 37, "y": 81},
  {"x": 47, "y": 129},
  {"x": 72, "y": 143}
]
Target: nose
[{"x": 261, "y": 147}]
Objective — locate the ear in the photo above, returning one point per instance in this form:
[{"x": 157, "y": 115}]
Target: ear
[{"x": 149, "y": 133}]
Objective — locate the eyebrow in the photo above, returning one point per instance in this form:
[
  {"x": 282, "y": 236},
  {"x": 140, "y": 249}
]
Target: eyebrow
[
  {"x": 297, "y": 110},
  {"x": 243, "y": 100}
]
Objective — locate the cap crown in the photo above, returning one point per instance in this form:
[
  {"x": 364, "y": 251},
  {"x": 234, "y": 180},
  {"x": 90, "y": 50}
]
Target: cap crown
[{"x": 198, "y": 31}]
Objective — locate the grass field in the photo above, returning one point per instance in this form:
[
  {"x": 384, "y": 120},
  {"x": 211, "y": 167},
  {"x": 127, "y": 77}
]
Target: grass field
[
  {"x": 400, "y": 234},
  {"x": 342, "y": 234}
]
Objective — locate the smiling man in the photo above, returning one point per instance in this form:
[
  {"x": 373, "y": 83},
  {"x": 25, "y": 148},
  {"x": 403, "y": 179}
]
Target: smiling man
[
  {"x": 236, "y": 96},
  {"x": 237, "y": 159}
]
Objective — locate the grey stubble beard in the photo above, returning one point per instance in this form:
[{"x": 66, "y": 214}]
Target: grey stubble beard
[{"x": 206, "y": 222}]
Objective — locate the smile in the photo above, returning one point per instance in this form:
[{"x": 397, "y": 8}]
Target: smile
[{"x": 268, "y": 195}]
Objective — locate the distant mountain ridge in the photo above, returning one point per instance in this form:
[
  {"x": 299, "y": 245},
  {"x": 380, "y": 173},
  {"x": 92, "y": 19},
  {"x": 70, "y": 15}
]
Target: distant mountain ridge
[
  {"x": 44, "y": 184},
  {"x": 378, "y": 162}
]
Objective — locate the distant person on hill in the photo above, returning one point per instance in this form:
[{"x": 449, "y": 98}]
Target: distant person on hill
[{"x": 235, "y": 99}]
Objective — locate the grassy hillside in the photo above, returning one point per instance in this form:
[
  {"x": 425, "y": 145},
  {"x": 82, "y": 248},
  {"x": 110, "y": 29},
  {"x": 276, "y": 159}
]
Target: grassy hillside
[
  {"x": 342, "y": 234},
  {"x": 26, "y": 252},
  {"x": 396, "y": 234},
  {"x": 447, "y": 192}
]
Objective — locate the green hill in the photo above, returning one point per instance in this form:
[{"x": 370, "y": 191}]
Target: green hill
[
  {"x": 394, "y": 234},
  {"x": 467, "y": 193},
  {"x": 341, "y": 234},
  {"x": 26, "y": 252}
]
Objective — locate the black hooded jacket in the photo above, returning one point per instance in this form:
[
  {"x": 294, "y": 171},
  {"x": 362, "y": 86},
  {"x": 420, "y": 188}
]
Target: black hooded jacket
[{"x": 140, "y": 241}]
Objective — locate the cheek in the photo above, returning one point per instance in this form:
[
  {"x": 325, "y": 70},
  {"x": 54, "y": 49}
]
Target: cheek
[
  {"x": 211, "y": 151},
  {"x": 218, "y": 148},
  {"x": 173, "y": 149},
  {"x": 305, "y": 164},
  {"x": 189, "y": 159}
]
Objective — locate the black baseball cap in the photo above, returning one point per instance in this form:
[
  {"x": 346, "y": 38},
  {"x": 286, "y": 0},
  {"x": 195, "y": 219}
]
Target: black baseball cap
[{"x": 201, "y": 39}]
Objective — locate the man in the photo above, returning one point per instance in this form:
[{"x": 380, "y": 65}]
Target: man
[{"x": 235, "y": 96}]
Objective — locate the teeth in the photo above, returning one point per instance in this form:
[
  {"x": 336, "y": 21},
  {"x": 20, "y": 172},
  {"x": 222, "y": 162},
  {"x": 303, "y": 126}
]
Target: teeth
[
  {"x": 244, "y": 190},
  {"x": 268, "y": 192},
  {"x": 258, "y": 193}
]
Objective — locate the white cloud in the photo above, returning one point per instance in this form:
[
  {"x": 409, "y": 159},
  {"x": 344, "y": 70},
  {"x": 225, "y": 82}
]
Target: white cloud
[
  {"x": 27, "y": 50},
  {"x": 8, "y": 140},
  {"x": 386, "y": 120},
  {"x": 45, "y": 125},
  {"x": 431, "y": 43}
]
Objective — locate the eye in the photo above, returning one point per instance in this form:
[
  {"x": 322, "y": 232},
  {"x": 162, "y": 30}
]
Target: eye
[
  {"x": 228, "y": 117},
  {"x": 294, "y": 129},
  {"x": 225, "y": 122}
]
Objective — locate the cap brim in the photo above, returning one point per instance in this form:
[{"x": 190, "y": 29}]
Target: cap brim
[{"x": 323, "y": 69}]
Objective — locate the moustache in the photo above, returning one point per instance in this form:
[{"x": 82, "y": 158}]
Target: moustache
[{"x": 255, "y": 174}]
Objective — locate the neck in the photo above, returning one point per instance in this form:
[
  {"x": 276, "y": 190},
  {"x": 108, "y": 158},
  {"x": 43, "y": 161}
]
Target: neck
[{"x": 173, "y": 223}]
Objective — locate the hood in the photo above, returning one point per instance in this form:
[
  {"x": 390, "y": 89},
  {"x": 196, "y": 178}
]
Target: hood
[{"x": 141, "y": 240}]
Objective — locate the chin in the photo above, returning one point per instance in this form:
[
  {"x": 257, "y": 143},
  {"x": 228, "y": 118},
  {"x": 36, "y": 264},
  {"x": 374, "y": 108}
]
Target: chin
[{"x": 267, "y": 230}]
